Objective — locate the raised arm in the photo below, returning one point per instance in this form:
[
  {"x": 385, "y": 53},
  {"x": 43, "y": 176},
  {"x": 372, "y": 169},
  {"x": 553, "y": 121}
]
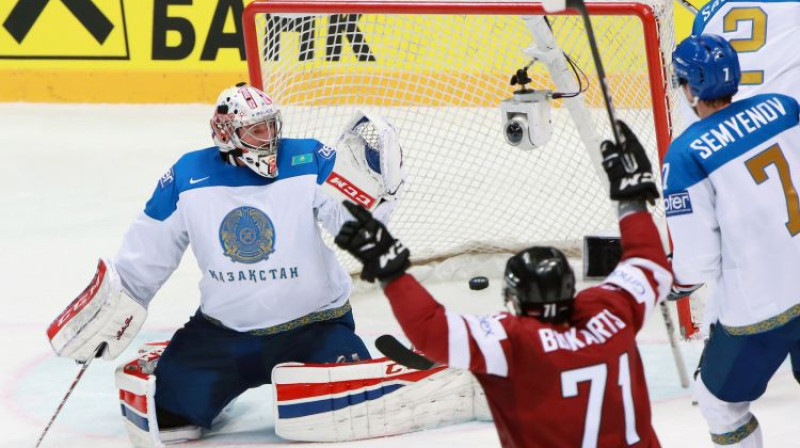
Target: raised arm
[{"x": 643, "y": 270}]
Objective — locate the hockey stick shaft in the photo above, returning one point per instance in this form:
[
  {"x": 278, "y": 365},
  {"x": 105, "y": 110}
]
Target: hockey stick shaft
[
  {"x": 673, "y": 342},
  {"x": 689, "y": 7},
  {"x": 601, "y": 73},
  {"x": 69, "y": 392}
]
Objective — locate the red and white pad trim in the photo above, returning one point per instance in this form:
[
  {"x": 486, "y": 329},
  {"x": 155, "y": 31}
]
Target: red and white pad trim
[
  {"x": 137, "y": 389},
  {"x": 103, "y": 313},
  {"x": 84, "y": 308},
  {"x": 339, "y": 402}
]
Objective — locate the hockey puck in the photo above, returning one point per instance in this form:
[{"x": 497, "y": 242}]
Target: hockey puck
[{"x": 478, "y": 283}]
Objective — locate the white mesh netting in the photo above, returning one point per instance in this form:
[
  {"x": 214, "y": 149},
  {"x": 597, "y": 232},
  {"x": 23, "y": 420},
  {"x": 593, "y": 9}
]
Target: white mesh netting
[{"x": 439, "y": 78}]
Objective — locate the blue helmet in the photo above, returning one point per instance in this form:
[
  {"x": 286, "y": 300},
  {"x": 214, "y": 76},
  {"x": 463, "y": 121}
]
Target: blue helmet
[{"x": 709, "y": 64}]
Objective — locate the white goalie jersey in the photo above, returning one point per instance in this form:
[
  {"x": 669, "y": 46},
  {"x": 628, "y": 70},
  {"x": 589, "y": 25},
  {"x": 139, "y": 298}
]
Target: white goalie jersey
[{"x": 256, "y": 240}]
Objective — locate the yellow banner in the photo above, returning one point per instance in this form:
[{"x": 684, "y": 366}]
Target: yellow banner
[{"x": 128, "y": 51}]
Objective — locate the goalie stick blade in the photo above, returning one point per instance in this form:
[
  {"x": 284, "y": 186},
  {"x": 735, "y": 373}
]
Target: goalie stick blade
[{"x": 399, "y": 353}]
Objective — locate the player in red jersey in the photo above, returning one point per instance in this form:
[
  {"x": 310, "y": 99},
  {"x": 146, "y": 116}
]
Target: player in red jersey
[{"x": 561, "y": 370}]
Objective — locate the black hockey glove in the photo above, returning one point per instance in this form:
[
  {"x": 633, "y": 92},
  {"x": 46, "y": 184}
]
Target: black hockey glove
[
  {"x": 367, "y": 239},
  {"x": 628, "y": 168}
]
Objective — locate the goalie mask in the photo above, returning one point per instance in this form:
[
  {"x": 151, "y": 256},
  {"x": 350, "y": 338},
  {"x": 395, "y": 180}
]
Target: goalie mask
[
  {"x": 540, "y": 283},
  {"x": 247, "y": 127}
]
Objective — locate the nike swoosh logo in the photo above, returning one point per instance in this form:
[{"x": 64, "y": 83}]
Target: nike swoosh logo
[{"x": 194, "y": 181}]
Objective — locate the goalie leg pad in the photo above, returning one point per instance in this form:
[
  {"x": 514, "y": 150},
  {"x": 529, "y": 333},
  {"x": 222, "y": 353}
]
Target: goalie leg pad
[
  {"x": 342, "y": 402},
  {"x": 137, "y": 386},
  {"x": 103, "y": 313}
]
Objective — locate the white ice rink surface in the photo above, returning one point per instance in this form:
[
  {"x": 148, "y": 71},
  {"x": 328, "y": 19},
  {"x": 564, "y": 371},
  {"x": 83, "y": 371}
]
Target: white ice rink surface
[{"x": 73, "y": 177}]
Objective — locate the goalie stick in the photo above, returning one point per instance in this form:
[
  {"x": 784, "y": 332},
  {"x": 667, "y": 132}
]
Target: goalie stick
[
  {"x": 673, "y": 343},
  {"x": 97, "y": 352},
  {"x": 399, "y": 353}
]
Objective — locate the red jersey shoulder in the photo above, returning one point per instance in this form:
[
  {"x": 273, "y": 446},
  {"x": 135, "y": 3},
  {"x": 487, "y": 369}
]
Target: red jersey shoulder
[
  {"x": 591, "y": 300},
  {"x": 606, "y": 298},
  {"x": 514, "y": 325}
]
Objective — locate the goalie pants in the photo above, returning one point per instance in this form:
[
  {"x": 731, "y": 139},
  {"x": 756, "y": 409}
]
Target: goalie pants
[{"x": 205, "y": 366}]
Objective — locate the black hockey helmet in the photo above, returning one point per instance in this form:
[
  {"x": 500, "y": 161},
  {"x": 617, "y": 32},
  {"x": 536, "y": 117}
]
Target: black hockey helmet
[{"x": 540, "y": 283}]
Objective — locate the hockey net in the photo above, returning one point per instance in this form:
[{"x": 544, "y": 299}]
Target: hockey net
[{"x": 438, "y": 72}]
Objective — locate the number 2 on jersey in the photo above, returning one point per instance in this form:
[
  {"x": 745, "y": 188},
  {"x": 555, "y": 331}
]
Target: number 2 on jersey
[
  {"x": 757, "y": 166},
  {"x": 596, "y": 376},
  {"x": 758, "y": 37}
]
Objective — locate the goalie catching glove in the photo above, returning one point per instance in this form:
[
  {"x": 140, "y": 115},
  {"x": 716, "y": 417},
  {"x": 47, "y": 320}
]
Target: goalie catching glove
[
  {"x": 368, "y": 165},
  {"x": 373, "y": 145},
  {"x": 368, "y": 240},
  {"x": 629, "y": 171}
]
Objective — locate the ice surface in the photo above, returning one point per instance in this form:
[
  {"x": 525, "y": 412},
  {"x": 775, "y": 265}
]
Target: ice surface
[{"x": 75, "y": 176}]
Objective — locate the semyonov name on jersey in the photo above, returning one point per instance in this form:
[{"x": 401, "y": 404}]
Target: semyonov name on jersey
[
  {"x": 743, "y": 123},
  {"x": 254, "y": 275}
]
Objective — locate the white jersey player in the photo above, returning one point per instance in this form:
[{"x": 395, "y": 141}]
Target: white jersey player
[
  {"x": 734, "y": 216},
  {"x": 765, "y": 35},
  {"x": 271, "y": 290}
]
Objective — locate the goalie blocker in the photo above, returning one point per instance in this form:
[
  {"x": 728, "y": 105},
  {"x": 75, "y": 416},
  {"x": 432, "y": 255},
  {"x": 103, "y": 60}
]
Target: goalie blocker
[{"x": 103, "y": 313}]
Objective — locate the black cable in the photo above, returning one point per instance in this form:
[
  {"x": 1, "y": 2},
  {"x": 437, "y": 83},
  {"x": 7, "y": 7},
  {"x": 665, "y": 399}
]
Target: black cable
[{"x": 580, "y": 76}]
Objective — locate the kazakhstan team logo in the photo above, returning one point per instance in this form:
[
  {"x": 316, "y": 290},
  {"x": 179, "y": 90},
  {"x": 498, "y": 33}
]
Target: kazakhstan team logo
[{"x": 247, "y": 235}]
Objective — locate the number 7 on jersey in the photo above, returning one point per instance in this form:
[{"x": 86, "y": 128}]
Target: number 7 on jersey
[{"x": 596, "y": 376}]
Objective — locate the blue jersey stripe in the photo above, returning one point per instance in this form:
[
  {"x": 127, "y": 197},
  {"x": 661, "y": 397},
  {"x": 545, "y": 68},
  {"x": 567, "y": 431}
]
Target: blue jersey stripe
[
  {"x": 727, "y": 134},
  {"x": 333, "y": 404},
  {"x": 205, "y": 168}
]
